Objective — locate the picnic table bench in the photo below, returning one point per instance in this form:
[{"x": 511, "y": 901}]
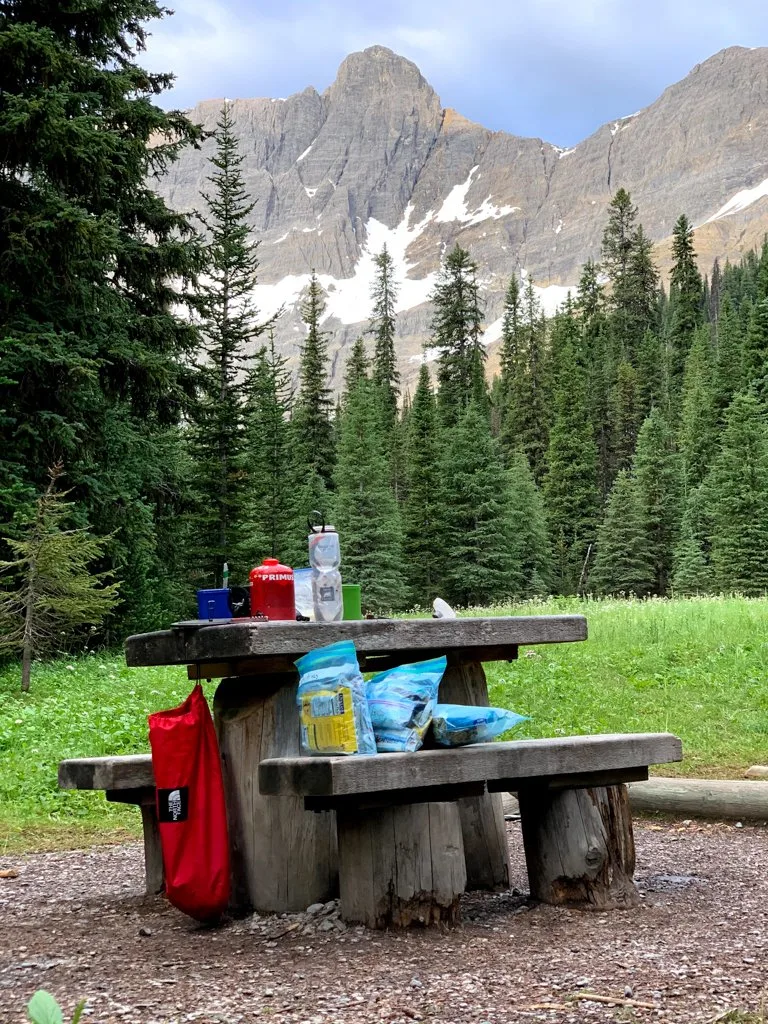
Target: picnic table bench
[
  {"x": 285, "y": 858},
  {"x": 401, "y": 854}
]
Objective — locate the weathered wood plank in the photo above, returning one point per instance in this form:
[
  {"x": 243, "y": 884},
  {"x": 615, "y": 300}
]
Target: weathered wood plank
[
  {"x": 131, "y": 771},
  {"x": 247, "y": 639},
  {"x": 395, "y": 798},
  {"x": 482, "y": 817},
  {"x": 283, "y": 859},
  {"x": 519, "y": 759},
  {"x": 153, "y": 852},
  {"x": 401, "y": 866},
  {"x": 582, "y": 780},
  {"x": 579, "y": 847}
]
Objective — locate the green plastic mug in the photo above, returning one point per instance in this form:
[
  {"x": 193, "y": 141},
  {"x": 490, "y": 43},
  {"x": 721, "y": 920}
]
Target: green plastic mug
[{"x": 351, "y": 601}]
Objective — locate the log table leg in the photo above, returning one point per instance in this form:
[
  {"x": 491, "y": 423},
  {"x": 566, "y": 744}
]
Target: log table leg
[
  {"x": 579, "y": 846},
  {"x": 482, "y": 817},
  {"x": 283, "y": 858},
  {"x": 401, "y": 866}
]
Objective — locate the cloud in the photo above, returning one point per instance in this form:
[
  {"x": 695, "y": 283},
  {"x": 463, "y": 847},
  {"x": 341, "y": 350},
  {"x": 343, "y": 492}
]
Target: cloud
[{"x": 554, "y": 68}]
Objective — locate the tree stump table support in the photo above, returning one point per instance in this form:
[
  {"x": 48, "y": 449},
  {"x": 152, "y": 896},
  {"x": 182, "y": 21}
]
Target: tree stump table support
[
  {"x": 579, "y": 847},
  {"x": 283, "y": 859},
  {"x": 401, "y": 866},
  {"x": 482, "y": 817}
]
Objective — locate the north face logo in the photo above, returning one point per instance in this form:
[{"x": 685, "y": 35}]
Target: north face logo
[{"x": 173, "y": 804}]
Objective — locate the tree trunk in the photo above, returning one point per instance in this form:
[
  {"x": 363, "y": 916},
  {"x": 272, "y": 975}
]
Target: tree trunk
[
  {"x": 579, "y": 846},
  {"x": 482, "y": 817}
]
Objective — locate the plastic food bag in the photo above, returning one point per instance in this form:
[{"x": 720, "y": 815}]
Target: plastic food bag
[
  {"x": 455, "y": 725},
  {"x": 332, "y": 705},
  {"x": 401, "y": 701}
]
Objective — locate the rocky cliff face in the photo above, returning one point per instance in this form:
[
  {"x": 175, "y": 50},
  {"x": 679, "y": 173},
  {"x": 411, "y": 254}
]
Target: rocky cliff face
[{"x": 376, "y": 159}]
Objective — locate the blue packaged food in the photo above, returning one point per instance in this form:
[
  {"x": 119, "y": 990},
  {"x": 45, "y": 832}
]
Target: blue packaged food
[
  {"x": 332, "y": 706},
  {"x": 455, "y": 725},
  {"x": 401, "y": 701}
]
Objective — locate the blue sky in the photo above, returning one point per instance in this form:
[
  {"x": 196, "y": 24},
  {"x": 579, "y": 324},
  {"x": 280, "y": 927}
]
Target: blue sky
[{"x": 551, "y": 68}]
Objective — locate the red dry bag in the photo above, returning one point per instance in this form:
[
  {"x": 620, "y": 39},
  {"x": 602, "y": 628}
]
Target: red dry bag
[{"x": 190, "y": 807}]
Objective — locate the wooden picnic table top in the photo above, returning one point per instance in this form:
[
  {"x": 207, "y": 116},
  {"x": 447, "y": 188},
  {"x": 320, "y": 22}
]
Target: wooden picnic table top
[{"x": 490, "y": 638}]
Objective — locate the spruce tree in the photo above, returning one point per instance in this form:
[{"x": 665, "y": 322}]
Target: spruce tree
[
  {"x": 624, "y": 562},
  {"x": 571, "y": 489},
  {"x": 686, "y": 299},
  {"x": 383, "y": 326},
  {"x": 659, "y": 474},
  {"x": 456, "y": 331},
  {"x": 95, "y": 336},
  {"x": 738, "y": 494},
  {"x": 531, "y": 550},
  {"x": 698, "y": 421},
  {"x": 755, "y": 358},
  {"x": 313, "y": 433},
  {"x": 423, "y": 539},
  {"x": 57, "y": 589},
  {"x": 358, "y": 367},
  {"x": 601, "y": 366},
  {"x": 268, "y": 503},
  {"x": 692, "y": 572},
  {"x": 477, "y": 533},
  {"x": 365, "y": 510},
  {"x": 229, "y": 324},
  {"x": 624, "y": 413},
  {"x": 528, "y": 411},
  {"x": 729, "y": 374}
]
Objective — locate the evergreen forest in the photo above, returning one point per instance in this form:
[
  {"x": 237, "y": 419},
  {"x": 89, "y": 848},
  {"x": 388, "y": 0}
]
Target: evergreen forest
[{"x": 147, "y": 418}]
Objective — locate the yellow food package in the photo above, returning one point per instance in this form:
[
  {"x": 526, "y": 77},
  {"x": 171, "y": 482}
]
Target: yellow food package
[
  {"x": 333, "y": 710},
  {"x": 328, "y": 722}
]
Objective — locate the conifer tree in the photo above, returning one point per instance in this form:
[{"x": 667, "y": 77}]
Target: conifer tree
[
  {"x": 692, "y": 573},
  {"x": 57, "y": 589},
  {"x": 456, "y": 331},
  {"x": 715, "y": 293},
  {"x": 528, "y": 412},
  {"x": 95, "y": 336},
  {"x": 268, "y": 504},
  {"x": 358, "y": 367},
  {"x": 686, "y": 299},
  {"x": 624, "y": 564},
  {"x": 383, "y": 326},
  {"x": 423, "y": 543},
  {"x": 652, "y": 389},
  {"x": 531, "y": 550},
  {"x": 229, "y": 324},
  {"x": 659, "y": 475},
  {"x": 755, "y": 358},
  {"x": 311, "y": 427},
  {"x": 729, "y": 374},
  {"x": 624, "y": 415},
  {"x": 570, "y": 487},
  {"x": 738, "y": 494},
  {"x": 474, "y": 496},
  {"x": 601, "y": 367},
  {"x": 365, "y": 510},
  {"x": 698, "y": 422}
]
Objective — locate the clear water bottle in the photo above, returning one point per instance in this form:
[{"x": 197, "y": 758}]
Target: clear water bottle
[{"x": 325, "y": 558}]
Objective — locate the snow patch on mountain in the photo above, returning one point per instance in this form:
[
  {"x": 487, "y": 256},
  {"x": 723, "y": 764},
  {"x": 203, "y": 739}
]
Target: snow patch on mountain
[{"x": 741, "y": 201}]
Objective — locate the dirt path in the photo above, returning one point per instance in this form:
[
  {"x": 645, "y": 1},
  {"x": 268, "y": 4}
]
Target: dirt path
[{"x": 74, "y": 923}]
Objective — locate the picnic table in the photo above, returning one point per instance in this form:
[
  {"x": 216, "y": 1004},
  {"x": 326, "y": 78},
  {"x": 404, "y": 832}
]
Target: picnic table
[{"x": 285, "y": 858}]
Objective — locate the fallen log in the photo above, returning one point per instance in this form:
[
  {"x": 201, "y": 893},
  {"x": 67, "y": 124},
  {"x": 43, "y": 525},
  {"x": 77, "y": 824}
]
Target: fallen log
[{"x": 702, "y": 798}]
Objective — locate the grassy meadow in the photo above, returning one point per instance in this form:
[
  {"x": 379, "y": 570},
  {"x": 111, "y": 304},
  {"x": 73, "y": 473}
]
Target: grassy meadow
[{"x": 697, "y": 667}]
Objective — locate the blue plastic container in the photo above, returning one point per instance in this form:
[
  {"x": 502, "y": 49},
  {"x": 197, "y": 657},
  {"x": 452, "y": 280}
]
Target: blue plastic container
[{"x": 213, "y": 604}]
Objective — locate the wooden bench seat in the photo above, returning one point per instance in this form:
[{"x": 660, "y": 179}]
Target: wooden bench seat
[
  {"x": 127, "y": 780},
  {"x": 401, "y": 853}
]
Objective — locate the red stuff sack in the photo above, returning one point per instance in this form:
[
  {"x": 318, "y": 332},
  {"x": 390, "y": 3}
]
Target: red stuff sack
[{"x": 191, "y": 811}]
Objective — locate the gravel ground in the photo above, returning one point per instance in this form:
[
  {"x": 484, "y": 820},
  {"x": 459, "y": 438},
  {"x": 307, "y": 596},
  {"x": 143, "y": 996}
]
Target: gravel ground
[{"x": 76, "y": 924}]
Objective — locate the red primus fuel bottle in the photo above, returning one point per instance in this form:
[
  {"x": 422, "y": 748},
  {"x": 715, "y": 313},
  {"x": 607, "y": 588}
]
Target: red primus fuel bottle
[{"x": 272, "y": 591}]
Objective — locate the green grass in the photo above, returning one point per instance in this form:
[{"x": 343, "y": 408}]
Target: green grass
[{"x": 698, "y": 668}]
